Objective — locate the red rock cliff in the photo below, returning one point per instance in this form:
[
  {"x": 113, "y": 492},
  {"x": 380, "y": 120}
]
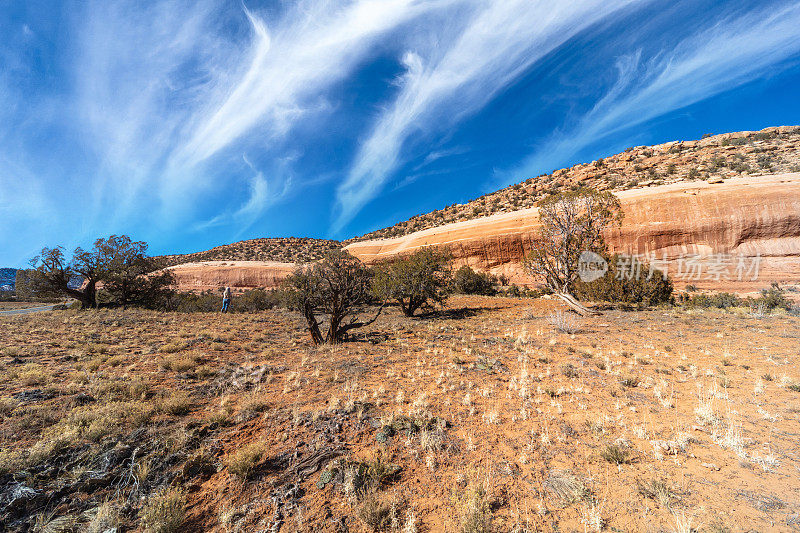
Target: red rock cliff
[
  {"x": 756, "y": 219},
  {"x": 212, "y": 275}
]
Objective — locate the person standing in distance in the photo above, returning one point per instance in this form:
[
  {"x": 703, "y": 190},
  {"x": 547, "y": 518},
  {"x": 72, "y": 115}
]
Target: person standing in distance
[{"x": 226, "y": 299}]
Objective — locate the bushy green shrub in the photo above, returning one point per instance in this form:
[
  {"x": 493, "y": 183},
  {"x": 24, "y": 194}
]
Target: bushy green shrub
[
  {"x": 515, "y": 291},
  {"x": 773, "y": 298},
  {"x": 189, "y": 302},
  {"x": 616, "y": 286},
  {"x": 769, "y": 300},
  {"x": 8, "y": 296},
  {"x": 256, "y": 300},
  {"x": 27, "y": 289},
  {"x": 720, "y": 300},
  {"x": 416, "y": 281},
  {"x": 467, "y": 281}
]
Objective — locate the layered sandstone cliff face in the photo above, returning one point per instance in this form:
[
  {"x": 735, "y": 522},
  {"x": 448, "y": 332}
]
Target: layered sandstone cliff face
[
  {"x": 211, "y": 275},
  {"x": 705, "y": 233}
]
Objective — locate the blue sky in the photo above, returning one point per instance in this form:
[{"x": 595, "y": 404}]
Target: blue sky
[{"x": 190, "y": 124}]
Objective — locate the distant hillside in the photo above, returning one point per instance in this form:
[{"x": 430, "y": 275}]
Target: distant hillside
[
  {"x": 717, "y": 157},
  {"x": 8, "y": 277},
  {"x": 284, "y": 250}
]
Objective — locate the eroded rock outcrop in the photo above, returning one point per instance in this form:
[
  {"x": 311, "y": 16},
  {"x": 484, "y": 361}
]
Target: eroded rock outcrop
[
  {"x": 752, "y": 222},
  {"x": 211, "y": 275}
]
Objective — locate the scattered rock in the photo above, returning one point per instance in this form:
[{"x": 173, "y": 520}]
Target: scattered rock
[
  {"x": 83, "y": 399},
  {"x": 32, "y": 395},
  {"x": 18, "y": 500}
]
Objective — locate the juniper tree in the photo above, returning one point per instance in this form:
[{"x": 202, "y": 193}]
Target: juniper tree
[
  {"x": 571, "y": 222},
  {"x": 335, "y": 290},
  {"x": 415, "y": 281}
]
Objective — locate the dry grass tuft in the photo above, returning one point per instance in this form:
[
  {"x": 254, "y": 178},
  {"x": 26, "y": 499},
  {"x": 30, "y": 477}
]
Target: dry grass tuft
[
  {"x": 242, "y": 463},
  {"x": 181, "y": 362},
  {"x": 657, "y": 490},
  {"x": 164, "y": 511},
  {"x": 106, "y": 518},
  {"x": 377, "y": 511},
  {"x": 616, "y": 454},
  {"x": 253, "y": 403},
  {"x": 177, "y": 404},
  {"x": 565, "y": 486},
  {"x": 474, "y": 510},
  {"x": 175, "y": 346}
]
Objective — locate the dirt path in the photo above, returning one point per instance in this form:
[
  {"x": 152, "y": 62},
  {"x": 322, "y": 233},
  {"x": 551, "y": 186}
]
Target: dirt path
[{"x": 26, "y": 310}]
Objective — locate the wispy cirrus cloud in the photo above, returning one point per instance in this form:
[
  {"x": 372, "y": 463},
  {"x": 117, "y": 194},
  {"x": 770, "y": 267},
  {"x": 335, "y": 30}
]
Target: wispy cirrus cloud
[
  {"x": 730, "y": 52},
  {"x": 127, "y": 116},
  {"x": 164, "y": 91},
  {"x": 262, "y": 193},
  {"x": 139, "y": 74},
  {"x": 316, "y": 44},
  {"x": 161, "y": 96},
  {"x": 450, "y": 80}
]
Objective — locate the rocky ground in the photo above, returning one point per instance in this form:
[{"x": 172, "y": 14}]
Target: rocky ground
[{"x": 494, "y": 415}]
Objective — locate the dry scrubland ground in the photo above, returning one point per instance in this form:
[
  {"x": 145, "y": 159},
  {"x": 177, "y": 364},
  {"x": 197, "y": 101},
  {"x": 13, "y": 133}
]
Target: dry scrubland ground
[{"x": 664, "y": 420}]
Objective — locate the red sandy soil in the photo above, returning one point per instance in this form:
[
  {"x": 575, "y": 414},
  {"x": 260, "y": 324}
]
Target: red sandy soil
[{"x": 699, "y": 403}]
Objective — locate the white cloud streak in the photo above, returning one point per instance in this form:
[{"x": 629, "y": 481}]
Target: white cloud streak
[
  {"x": 732, "y": 52},
  {"x": 162, "y": 97},
  {"x": 262, "y": 194},
  {"x": 163, "y": 90},
  {"x": 451, "y": 80},
  {"x": 317, "y": 44},
  {"x": 141, "y": 72}
]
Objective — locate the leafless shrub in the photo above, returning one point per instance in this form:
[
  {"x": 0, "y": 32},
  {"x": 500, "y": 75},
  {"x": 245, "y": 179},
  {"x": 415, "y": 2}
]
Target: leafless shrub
[{"x": 564, "y": 322}]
